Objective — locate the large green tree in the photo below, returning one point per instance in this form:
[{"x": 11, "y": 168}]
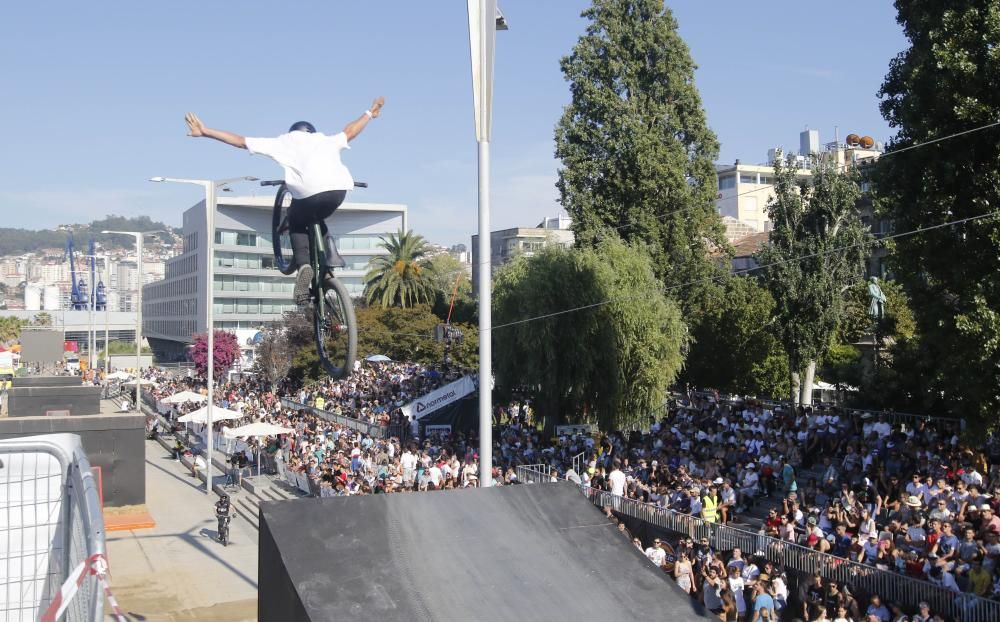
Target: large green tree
[
  {"x": 407, "y": 334},
  {"x": 638, "y": 157},
  {"x": 451, "y": 282},
  {"x": 947, "y": 82},
  {"x": 735, "y": 347},
  {"x": 612, "y": 360},
  {"x": 403, "y": 277},
  {"x": 815, "y": 251}
]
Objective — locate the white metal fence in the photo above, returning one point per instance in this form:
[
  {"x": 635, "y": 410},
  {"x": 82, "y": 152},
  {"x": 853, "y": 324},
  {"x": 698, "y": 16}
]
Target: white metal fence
[{"x": 50, "y": 521}]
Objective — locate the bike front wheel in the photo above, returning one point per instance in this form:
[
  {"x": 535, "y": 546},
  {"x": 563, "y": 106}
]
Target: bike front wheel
[
  {"x": 281, "y": 240},
  {"x": 336, "y": 329}
]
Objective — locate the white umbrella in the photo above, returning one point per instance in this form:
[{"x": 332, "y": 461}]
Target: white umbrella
[
  {"x": 201, "y": 415},
  {"x": 378, "y": 358},
  {"x": 120, "y": 375},
  {"x": 185, "y": 396},
  {"x": 258, "y": 428}
]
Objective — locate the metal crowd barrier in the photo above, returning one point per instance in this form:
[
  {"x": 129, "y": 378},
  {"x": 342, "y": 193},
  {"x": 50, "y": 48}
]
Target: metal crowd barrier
[
  {"x": 892, "y": 587},
  {"x": 371, "y": 429},
  {"x": 50, "y": 522},
  {"x": 891, "y": 416}
]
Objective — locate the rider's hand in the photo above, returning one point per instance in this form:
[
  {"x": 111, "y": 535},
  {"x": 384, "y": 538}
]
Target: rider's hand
[
  {"x": 377, "y": 104},
  {"x": 195, "y": 126}
]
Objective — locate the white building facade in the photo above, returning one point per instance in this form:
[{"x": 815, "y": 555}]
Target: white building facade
[{"x": 248, "y": 292}]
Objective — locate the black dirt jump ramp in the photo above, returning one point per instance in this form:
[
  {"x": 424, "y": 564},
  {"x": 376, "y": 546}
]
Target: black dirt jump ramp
[{"x": 510, "y": 554}]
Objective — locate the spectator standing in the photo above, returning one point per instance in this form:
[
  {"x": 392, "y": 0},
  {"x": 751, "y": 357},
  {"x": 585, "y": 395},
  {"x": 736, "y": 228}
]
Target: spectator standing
[
  {"x": 656, "y": 554},
  {"x": 763, "y": 604},
  {"x": 616, "y": 479}
]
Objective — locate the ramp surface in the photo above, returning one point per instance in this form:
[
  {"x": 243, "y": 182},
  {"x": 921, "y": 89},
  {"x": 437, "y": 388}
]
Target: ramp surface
[{"x": 529, "y": 552}]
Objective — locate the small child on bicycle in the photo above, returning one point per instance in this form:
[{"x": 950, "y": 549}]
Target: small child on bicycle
[{"x": 314, "y": 175}]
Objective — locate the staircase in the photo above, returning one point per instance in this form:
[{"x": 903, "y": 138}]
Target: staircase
[
  {"x": 264, "y": 488},
  {"x": 246, "y": 500}
]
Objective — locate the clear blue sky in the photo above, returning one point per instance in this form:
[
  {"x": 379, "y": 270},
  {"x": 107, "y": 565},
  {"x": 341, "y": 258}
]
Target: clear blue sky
[{"x": 94, "y": 96}]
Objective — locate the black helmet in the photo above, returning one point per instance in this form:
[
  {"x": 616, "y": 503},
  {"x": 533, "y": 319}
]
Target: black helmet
[{"x": 302, "y": 126}]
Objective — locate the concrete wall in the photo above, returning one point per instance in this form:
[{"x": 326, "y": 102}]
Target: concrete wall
[
  {"x": 37, "y": 401},
  {"x": 115, "y": 443}
]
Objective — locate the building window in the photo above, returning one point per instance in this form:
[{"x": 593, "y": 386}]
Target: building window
[
  {"x": 727, "y": 182},
  {"x": 246, "y": 239},
  {"x": 748, "y": 179}
]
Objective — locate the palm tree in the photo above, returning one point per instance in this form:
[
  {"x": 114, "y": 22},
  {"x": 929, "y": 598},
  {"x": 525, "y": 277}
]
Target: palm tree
[
  {"x": 402, "y": 278},
  {"x": 10, "y": 329}
]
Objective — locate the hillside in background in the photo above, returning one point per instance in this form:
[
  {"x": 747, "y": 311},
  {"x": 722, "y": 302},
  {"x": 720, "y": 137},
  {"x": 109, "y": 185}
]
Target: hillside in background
[{"x": 20, "y": 241}]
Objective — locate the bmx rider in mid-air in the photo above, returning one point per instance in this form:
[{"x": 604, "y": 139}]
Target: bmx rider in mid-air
[{"x": 314, "y": 175}]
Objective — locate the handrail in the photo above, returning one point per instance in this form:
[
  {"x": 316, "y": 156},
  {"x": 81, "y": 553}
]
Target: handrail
[{"x": 889, "y": 585}]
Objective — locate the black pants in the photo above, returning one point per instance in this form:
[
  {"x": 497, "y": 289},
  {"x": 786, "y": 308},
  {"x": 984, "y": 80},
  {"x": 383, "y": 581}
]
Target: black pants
[{"x": 306, "y": 212}]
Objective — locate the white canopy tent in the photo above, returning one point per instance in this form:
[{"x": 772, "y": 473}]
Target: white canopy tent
[
  {"x": 257, "y": 429},
  {"x": 119, "y": 375},
  {"x": 185, "y": 396},
  {"x": 201, "y": 415}
]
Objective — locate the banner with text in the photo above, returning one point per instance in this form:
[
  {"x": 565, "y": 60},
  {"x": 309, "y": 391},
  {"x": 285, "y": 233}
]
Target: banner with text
[{"x": 448, "y": 394}]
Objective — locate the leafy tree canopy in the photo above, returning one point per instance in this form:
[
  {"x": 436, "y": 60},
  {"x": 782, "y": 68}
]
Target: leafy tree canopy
[
  {"x": 638, "y": 157},
  {"x": 610, "y": 362},
  {"x": 946, "y": 82}
]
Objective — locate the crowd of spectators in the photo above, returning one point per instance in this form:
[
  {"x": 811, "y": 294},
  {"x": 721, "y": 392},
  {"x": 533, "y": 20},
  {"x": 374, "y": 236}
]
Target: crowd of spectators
[
  {"x": 905, "y": 496},
  {"x": 902, "y": 496},
  {"x": 337, "y": 459}
]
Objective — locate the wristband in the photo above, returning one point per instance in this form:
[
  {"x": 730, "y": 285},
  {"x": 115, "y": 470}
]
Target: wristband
[{"x": 369, "y": 113}]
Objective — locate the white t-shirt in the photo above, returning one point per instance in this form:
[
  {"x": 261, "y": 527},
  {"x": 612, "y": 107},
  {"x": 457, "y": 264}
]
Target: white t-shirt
[
  {"x": 655, "y": 555},
  {"x": 311, "y": 161},
  {"x": 617, "y": 480}
]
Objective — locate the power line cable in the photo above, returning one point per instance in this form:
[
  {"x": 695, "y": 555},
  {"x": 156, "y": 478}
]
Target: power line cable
[{"x": 748, "y": 270}]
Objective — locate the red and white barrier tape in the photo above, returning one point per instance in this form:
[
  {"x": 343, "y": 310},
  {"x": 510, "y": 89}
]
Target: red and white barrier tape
[{"x": 96, "y": 565}]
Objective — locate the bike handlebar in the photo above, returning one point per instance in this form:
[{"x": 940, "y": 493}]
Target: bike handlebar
[{"x": 278, "y": 182}]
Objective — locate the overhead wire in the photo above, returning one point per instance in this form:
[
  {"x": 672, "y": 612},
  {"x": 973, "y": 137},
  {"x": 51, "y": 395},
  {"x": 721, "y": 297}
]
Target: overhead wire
[
  {"x": 754, "y": 269},
  {"x": 759, "y": 267}
]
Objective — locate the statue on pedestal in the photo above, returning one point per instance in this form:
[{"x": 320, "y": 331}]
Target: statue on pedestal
[{"x": 876, "y": 309}]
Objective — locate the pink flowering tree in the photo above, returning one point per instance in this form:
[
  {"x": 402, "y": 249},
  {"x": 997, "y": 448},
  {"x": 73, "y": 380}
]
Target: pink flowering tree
[{"x": 227, "y": 352}]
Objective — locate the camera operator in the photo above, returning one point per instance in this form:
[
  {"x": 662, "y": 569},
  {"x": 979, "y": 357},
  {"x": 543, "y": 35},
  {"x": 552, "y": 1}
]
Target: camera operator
[{"x": 222, "y": 509}]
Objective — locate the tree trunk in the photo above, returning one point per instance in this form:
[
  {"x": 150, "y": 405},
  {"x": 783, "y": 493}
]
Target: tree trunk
[
  {"x": 795, "y": 388},
  {"x": 807, "y": 383}
]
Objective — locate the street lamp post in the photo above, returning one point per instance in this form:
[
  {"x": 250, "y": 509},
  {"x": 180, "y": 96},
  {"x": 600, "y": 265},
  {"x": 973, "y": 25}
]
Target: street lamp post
[
  {"x": 484, "y": 21},
  {"x": 107, "y": 317},
  {"x": 138, "y": 235},
  {"x": 210, "y": 188}
]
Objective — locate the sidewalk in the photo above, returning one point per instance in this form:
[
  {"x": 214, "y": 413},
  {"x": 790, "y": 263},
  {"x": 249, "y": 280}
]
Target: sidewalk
[{"x": 177, "y": 570}]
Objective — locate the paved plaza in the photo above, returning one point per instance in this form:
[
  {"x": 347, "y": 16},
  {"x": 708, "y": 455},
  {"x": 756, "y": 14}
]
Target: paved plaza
[{"x": 177, "y": 570}]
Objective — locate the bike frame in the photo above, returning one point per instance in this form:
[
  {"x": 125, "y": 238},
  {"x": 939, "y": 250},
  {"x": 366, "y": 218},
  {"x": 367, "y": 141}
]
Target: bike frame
[{"x": 317, "y": 255}]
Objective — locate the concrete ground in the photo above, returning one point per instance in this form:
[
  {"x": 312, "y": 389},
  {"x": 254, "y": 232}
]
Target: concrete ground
[{"x": 178, "y": 571}]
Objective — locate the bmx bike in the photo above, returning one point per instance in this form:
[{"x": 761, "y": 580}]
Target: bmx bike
[{"x": 334, "y": 325}]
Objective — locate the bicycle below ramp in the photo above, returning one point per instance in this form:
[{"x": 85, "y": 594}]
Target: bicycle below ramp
[{"x": 527, "y": 552}]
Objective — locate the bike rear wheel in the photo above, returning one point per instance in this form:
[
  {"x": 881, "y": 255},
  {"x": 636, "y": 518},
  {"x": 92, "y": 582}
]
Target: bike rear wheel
[
  {"x": 336, "y": 329},
  {"x": 281, "y": 241}
]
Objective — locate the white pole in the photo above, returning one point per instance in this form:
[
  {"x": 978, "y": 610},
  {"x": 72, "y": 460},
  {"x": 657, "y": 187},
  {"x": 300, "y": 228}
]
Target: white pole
[
  {"x": 210, "y": 322},
  {"x": 91, "y": 335},
  {"x": 107, "y": 316},
  {"x": 138, "y": 323},
  {"x": 482, "y": 44},
  {"x": 485, "y": 322}
]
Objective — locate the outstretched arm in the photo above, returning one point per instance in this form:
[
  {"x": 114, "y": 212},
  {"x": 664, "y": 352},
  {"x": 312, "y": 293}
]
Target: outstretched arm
[
  {"x": 196, "y": 129},
  {"x": 354, "y": 128}
]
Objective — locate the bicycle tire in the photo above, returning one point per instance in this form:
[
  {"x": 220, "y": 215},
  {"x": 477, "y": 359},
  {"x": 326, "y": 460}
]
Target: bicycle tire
[
  {"x": 335, "y": 329},
  {"x": 280, "y": 241}
]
